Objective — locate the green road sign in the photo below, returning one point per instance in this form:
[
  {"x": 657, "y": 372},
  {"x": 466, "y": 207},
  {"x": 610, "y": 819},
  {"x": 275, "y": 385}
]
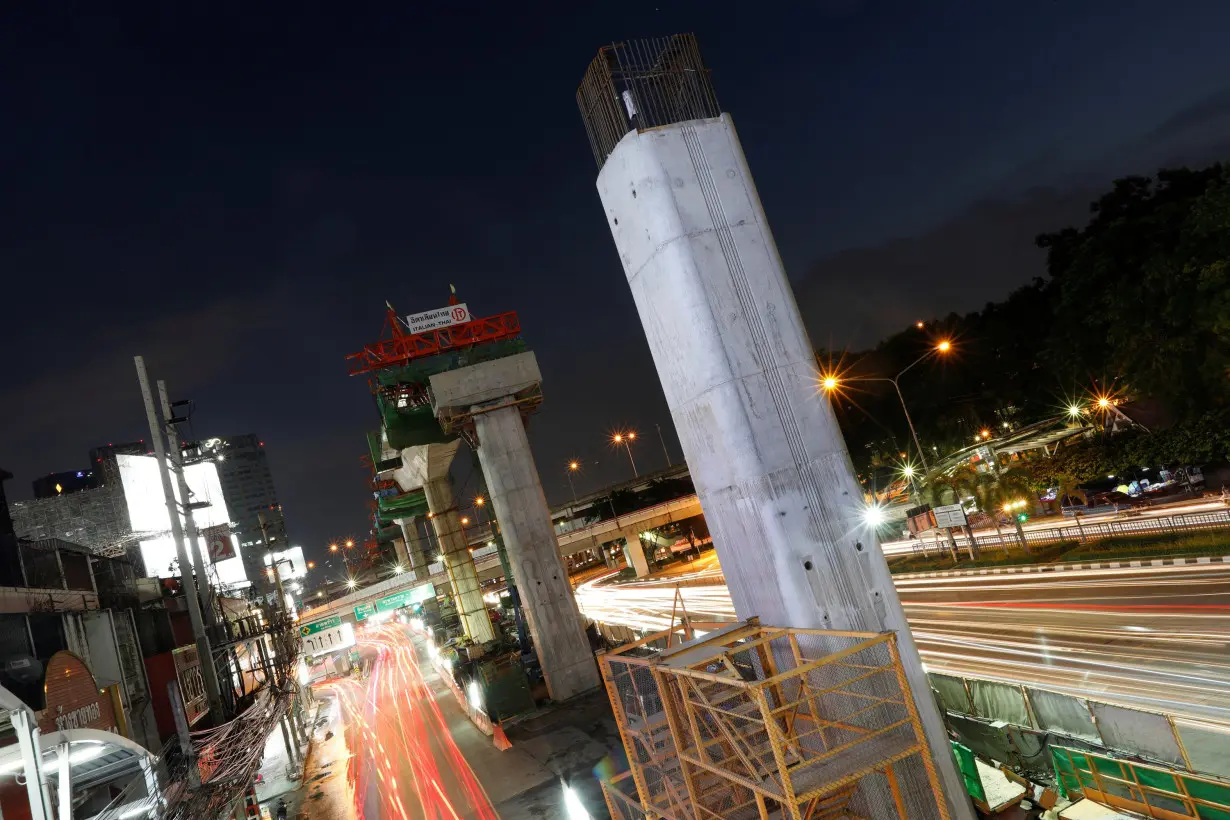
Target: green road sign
[
  {"x": 320, "y": 626},
  {"x": 407, "y": 597},
  {"x": 363, "y": 611}
]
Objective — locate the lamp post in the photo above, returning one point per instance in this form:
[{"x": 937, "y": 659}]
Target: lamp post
[
  {"x": 626, "y": 440},
  {"x": 573, "y": 466},
  {"x": 831, "y": 383}
]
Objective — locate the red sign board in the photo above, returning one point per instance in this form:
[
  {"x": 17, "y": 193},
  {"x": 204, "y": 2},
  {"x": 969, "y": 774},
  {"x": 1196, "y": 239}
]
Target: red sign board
[{"x": 218, "y": 543}]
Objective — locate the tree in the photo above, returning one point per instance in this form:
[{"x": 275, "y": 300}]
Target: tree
[{"x": 1141, "y": 295}]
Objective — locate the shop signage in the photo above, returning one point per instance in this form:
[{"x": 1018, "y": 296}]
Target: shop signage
[{"x": 74, "y": 700}]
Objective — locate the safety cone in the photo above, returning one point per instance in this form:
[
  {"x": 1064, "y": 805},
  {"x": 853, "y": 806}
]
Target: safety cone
[{"x": 501, "y": 740}]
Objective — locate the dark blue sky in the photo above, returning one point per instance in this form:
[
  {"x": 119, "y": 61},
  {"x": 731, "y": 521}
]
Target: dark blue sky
[{"x": 234, "y": 190}]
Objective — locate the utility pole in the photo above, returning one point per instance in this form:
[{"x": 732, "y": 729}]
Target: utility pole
[
  {"x": 176, "y": 461},
  {"x": 665, "y": 452},
  {"x": 273, "y": 562},
  {"x": 209, "y": 674}
]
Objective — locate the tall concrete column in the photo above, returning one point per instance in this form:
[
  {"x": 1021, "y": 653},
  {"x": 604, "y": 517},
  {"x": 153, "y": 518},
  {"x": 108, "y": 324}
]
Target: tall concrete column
[
  {"x": 415, "y": 544},
  {"x": 533, "y": 552},
  {"x": 427, "y": 466},
  {"x": 738, "y": 370},
  {"x": 634, "y": 551},
  {"x": 458, "y": 561}
]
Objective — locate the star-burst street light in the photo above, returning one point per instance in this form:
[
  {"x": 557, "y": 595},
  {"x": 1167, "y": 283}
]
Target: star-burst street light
[
  {"x": 832, "y": 382},
  {"x": 626, "y": 440}
]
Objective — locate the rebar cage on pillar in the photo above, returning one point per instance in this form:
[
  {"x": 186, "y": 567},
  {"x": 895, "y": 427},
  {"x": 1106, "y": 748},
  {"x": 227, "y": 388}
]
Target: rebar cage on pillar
[
  {"x": 774, "y": 722},
  {"x": 641, "y": 84}
]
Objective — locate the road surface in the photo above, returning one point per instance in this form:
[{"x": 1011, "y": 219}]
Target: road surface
[
  {"x": 1155, "y": 638},
  {"x": 405, "y": 764}
]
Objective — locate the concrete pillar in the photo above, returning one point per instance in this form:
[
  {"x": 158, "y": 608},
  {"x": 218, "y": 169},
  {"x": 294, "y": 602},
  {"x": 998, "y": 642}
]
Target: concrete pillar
[
  {"x": 415, "y": 544},
  {"x": 634, "y": 551},
  {"x": 400, "y": 554},
  {"x": 739, "y": 374},
  {"x": 533, "y": 552},
  {"x": 458, "y": 561}
]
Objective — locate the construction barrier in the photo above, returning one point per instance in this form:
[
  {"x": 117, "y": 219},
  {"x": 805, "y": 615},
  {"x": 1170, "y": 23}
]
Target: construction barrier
[
  {"x": 1147, "y": 790},
  {"x": 1199, "y": 747}
]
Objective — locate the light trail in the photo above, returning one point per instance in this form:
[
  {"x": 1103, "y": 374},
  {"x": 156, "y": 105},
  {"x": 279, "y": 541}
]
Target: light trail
[
  {"x": 1148, "y": 637},
  {"x": 405, "y": 764}
]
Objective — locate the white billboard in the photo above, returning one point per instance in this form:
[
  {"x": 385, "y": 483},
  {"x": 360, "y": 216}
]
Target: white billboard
[
  {"x": 161, "y": 561},
  {"x": 147, "y": 506},
  {"x": 147, "y": 512},
  {"x": 440, "y": 317},
  {"x": 291, "y": 563}
]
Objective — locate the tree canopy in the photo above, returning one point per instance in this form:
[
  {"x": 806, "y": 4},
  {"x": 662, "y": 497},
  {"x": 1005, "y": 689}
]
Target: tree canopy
[{"x": 1136, "y": 303}]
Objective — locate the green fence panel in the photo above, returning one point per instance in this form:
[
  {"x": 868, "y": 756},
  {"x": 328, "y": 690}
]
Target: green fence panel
[
  {"x": 969, "y": 771},
  {"x": 950, "y": 691}
]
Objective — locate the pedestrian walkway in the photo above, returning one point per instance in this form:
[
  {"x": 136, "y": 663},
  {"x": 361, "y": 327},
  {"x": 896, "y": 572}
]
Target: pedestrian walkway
[{"x": 278, "y": 777}]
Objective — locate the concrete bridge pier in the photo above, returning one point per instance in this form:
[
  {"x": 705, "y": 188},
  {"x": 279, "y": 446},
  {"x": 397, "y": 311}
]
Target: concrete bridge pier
[
  {"x": 634, "y": 550},
  {"x": 414, "y": 547},
  {"x": 739, "y": 374},
  {"x": 486, "y": 401},
  {"x": 427, "y": 466}
]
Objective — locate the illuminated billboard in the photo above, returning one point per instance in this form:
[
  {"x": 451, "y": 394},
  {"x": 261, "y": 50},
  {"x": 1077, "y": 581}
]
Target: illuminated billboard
[
  {"x": 147, "y": 506},
  {"x": 291, "y": 564},
  {"x": 161, "y": 561}
]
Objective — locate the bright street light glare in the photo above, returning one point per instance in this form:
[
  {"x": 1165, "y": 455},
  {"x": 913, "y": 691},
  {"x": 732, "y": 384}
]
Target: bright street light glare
[
  {"x": 1103, "y": 402},
  {"x": 617, "y": 438},
  {"x": 352, "y": 583},
  {"x": 479, "y": 501},
  {"x": 944, "y": 346},
  {"x": 398, "y": 570},
  {"x": 1074, "y": 410},
  {"x": 908, "y": 471},
  {"x": 829, "y": 383},
  {"x": 873, "y": 515},
  {"x": 349, "y": 543},
  {"x": 333, "y": 548},
  {"x": 572, "y": 465},
  {"x": 632, "y": 436}
]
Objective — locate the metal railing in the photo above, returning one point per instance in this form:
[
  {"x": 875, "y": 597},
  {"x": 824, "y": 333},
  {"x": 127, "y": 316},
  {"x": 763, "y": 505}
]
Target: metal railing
[
  {"x": 642, "y": 84},
  {"x": 1008, "y": 537}
]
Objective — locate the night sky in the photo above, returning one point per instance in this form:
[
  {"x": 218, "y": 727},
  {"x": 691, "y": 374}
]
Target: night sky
[{"x": 235, "y": 189}]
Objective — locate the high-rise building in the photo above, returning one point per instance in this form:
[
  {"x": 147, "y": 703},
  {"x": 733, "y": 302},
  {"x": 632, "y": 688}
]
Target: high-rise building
[{"x": 247, "y": 486}]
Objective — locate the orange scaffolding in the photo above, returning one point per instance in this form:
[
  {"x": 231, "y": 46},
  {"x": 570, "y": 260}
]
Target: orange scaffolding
[{"x": 748, "y": 721}]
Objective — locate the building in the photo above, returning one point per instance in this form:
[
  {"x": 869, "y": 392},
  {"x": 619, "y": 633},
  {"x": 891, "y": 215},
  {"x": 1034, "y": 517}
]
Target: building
[
  {"x": 126, "y": 516},
  {"x": 247, "y": 486},
  {"x": 71, "y": 481}
]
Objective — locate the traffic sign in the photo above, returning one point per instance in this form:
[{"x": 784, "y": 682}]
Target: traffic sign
[
  {"x": 407, "y": 597},
  {"x": 363, "y": 611},
  {"x": 320, "y": 626},
  {"x": 950, "y": 515},
  {"x": 440, "y": 317}
]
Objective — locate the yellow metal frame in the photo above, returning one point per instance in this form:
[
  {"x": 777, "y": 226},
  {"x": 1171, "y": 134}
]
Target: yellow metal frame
[{"x": 750, "y": 721}]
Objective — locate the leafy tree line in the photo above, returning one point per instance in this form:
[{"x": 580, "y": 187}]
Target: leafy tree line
[{"x": 1136, "y": 303}]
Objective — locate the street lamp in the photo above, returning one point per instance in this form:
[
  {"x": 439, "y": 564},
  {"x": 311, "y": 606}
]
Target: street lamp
[
  {"x": 626, "y": 440},
  {"x": 832, "y": 382},
  {"x": 572, "y": 468}
]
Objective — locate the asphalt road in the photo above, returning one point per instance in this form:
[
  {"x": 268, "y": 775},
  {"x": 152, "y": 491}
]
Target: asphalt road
[
  {"x": 1155, "y": 638},
  {"x": 406, "y": 763}
]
